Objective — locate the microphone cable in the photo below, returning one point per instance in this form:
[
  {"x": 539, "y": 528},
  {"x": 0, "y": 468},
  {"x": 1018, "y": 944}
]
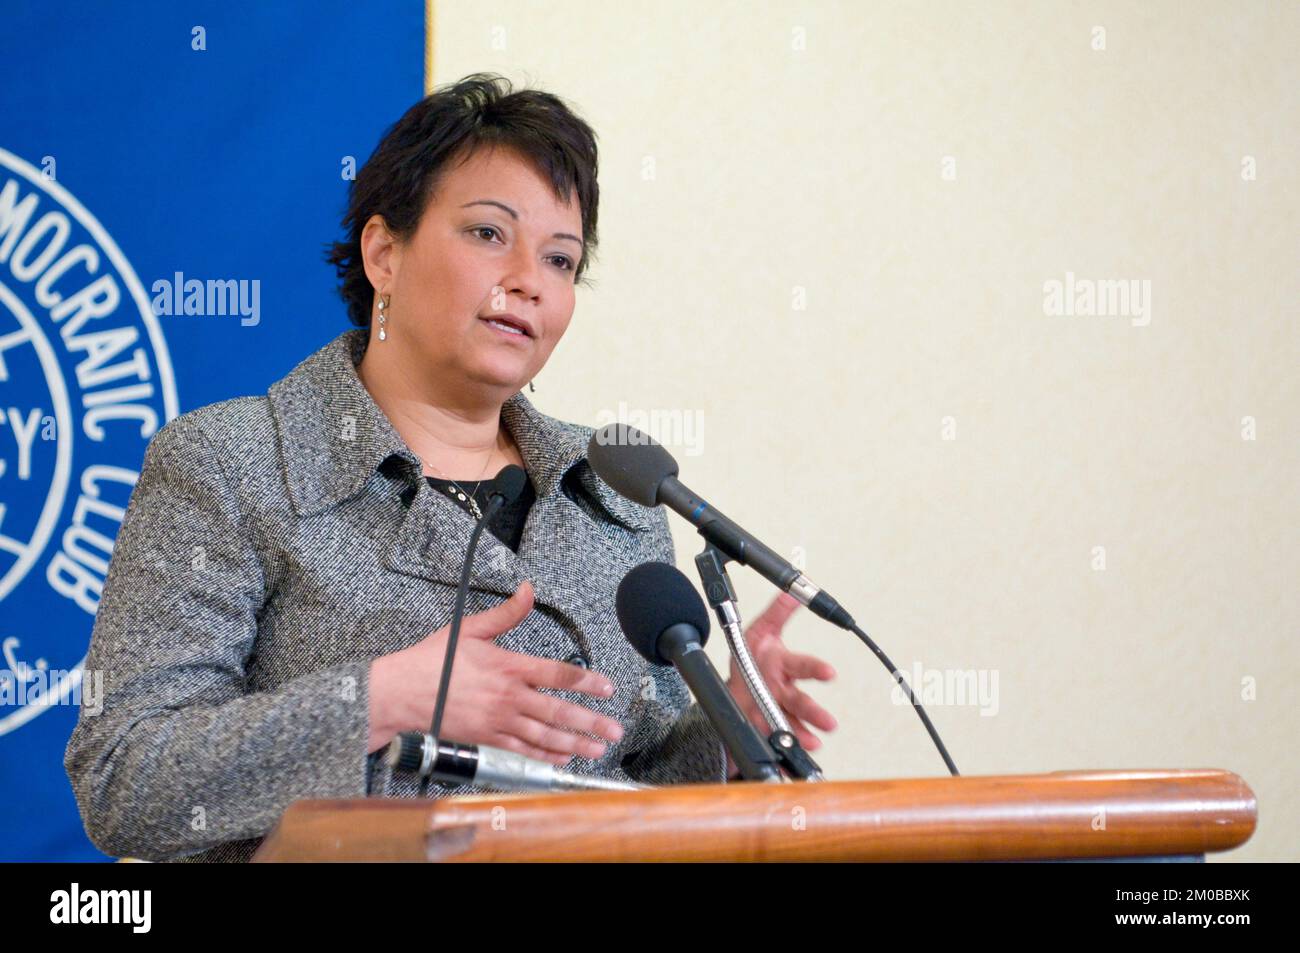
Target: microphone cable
[{"x": 898, "y": 676}]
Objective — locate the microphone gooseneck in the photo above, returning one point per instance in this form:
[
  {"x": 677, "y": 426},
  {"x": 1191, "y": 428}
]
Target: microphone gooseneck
[{"x": 506, "y": 488}]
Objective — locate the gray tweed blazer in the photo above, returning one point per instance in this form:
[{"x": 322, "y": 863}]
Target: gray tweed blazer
[{"x": 272, "y": 547}]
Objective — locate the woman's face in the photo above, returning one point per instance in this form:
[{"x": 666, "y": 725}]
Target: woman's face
[{"x": 493, "y": 244}]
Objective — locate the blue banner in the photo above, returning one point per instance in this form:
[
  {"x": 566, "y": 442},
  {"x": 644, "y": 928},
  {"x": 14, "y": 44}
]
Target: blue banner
[{"x": 170, "y": 175}]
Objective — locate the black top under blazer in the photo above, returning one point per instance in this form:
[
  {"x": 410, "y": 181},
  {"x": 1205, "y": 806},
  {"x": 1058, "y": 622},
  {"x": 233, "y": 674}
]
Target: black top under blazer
[{"x": 272, "y": 547}]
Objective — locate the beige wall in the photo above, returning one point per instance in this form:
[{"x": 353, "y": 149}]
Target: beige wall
[{"x": 801, "y": 284}]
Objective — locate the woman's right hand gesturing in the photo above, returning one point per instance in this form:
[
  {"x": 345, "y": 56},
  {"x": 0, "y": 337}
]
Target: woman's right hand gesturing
[{"x": 493, "y": 698}]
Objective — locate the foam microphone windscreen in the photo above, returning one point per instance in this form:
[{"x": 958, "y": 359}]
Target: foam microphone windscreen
[
  {"x": 652, "y": 598},
  {"x": 630, "y": 461},
  {"x": 509, "y": 483}
]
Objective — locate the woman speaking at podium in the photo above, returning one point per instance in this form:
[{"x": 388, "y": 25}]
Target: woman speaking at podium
[{"x": 277, "y": 605}]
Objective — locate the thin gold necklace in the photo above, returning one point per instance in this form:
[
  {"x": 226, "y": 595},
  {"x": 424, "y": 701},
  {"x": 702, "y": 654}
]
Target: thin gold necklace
[{"x": 462, "y": 495}]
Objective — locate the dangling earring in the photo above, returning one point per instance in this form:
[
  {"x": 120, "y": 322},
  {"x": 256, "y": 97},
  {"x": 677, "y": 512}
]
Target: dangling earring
[
  {"x": 531, "y": 388},
  {"x": 383, "y": 315}
]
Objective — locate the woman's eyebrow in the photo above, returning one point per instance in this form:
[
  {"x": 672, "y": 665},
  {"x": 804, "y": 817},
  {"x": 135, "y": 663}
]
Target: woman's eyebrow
[{"x": 515, "y": 216}]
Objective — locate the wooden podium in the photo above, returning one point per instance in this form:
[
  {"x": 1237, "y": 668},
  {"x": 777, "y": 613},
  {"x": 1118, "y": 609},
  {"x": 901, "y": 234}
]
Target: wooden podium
[{"x": 1138, "y": 815}]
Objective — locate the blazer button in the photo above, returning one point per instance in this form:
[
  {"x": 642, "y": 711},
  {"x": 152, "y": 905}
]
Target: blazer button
[{"x": 577, "y": 658}]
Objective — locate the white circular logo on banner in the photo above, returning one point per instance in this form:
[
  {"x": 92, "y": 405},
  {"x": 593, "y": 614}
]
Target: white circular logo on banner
[{"x": 85, "y": 382}]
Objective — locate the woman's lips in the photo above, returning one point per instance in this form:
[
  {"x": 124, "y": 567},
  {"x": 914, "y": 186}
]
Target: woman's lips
[{"x": 504, "y": 329}]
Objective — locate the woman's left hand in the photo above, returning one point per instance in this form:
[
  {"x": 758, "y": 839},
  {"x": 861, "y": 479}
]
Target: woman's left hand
[{"x": 780, "y": 669}]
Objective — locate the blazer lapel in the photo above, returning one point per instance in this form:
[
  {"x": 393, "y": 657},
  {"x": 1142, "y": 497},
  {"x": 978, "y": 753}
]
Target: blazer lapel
[
  {"x": 333, "y": 438},
  {"x": 433, "y": 539},
  {"x": 558, "y": 535}
]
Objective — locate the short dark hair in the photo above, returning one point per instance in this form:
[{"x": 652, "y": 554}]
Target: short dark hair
[{"x": 481, "y": 109}]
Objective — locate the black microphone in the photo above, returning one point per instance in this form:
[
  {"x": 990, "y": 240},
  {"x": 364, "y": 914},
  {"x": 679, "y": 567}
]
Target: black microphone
[
  {"x": 665, "y": 620},
  {"x": 639, "y": 468},
  {"x": 506, "y": 487}
]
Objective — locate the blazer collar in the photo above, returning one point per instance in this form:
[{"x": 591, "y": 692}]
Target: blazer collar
[{"x": 333, "y": 436}]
